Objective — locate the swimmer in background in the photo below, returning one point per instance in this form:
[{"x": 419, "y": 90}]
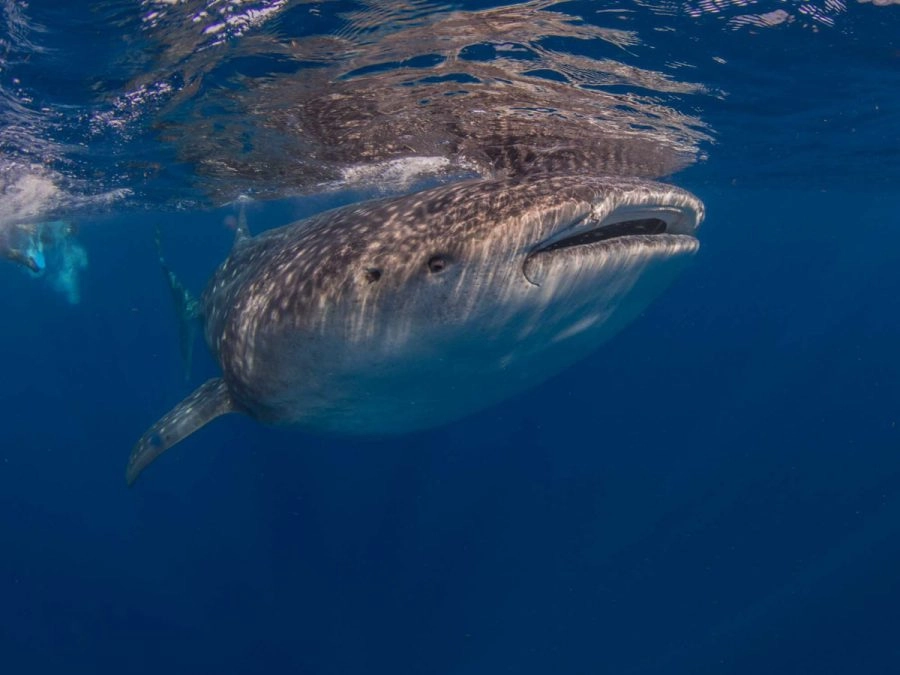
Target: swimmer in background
[
  {"x": 47, "y": 250},
  {"x": 22, "y": 243}
]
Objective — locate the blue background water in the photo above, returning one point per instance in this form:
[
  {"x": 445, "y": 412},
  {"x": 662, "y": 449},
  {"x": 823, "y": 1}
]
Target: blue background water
[{"x": 715, "y": 491}]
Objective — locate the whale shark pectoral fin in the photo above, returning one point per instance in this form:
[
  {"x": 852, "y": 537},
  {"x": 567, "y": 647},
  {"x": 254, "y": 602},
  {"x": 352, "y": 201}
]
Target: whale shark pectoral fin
[{"x": 207, "y": 402}]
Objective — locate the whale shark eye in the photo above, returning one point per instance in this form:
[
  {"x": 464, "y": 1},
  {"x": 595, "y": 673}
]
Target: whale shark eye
[
  {"x": 372, "y": 274},
  {"x": 437, "y": 264}
]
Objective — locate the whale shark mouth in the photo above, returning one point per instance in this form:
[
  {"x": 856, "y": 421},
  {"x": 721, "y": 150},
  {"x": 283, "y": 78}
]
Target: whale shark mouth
[
  {"x": 630, "y": 221},
  {"x": 626, "y": 228}
]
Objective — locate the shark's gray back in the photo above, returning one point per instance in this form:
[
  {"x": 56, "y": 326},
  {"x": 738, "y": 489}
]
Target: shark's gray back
[
  {"x": 286, "y": 274},
  {"x": 302, "y": 264},
  {"x": 294, "y": 298},
  {"x": 405, "y": 313}
]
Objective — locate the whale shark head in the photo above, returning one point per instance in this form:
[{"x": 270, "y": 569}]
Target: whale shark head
[{"x": 408, "y": 312}]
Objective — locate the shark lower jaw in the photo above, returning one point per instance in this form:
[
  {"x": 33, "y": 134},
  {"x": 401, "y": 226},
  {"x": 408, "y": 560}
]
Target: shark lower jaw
[
  {"x": 603, "y": 260},
  {"x": 637, "y": 227},
  {"x": 678, "y": 216}
]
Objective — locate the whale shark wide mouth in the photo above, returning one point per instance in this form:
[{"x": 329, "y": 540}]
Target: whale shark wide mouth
[{"x": 644, "y": 221}]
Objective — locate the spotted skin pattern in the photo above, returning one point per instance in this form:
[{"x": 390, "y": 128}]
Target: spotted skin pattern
[{"x": 409, "y": 312}]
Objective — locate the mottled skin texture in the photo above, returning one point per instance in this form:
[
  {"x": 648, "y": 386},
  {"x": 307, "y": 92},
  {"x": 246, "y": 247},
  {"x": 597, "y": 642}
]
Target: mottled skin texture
[{"x": 409, "y": 312}]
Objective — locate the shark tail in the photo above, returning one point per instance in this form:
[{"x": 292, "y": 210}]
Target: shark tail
[
  {"x": 241, "y": 231},
  {"x": 187, "y": 308},
  {"x": 208, "y": 402}
]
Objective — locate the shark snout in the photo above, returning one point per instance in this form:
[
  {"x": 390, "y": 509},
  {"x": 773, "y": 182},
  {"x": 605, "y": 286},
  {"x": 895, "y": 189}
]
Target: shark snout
[{"x": 652, "y": 220}]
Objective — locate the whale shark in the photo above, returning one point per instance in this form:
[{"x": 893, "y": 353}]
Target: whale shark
[{"x": 410, "y": 312}]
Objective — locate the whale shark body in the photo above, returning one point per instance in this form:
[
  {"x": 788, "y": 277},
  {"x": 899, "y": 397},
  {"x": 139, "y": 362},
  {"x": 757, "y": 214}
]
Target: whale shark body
[{"x": 409, "y": 312}]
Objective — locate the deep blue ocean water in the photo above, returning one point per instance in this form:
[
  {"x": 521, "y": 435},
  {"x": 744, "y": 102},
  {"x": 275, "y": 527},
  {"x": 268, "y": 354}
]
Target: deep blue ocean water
[{"x": 716, "y": 490}]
